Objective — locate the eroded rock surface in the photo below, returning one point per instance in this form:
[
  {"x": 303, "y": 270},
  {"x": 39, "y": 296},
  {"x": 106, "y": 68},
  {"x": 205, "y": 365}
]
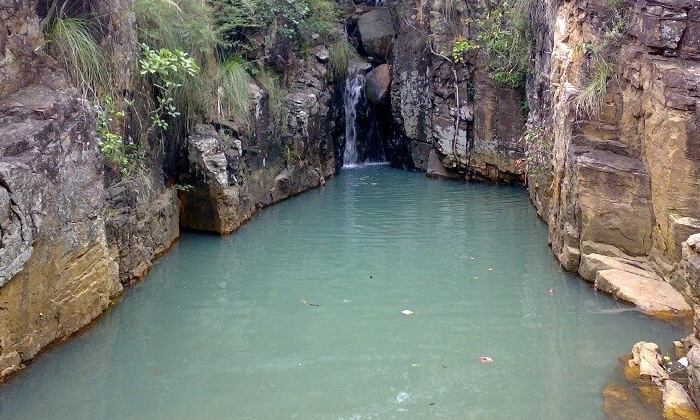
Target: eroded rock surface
[{"x": 58, "y": 273}]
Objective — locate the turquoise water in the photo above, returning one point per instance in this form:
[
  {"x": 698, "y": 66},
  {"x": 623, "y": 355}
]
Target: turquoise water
[{"x": 299, "y": 316}]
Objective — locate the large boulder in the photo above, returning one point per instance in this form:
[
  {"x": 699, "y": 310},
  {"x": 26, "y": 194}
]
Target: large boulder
[
  {"x": 377, "y": 33},
  {"x": 377, "y": 84}
]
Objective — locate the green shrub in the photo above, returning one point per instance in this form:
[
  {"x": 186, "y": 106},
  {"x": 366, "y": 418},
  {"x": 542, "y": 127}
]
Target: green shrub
[
  {"x": 185, "y": 25},
  {"x": 106, "y": 128},
  {"x": 459, "y": 47},
  {"x": 71, "y": 43},
  {"x": 505, "y": 34},
  {"x": 165, "y": 68}
]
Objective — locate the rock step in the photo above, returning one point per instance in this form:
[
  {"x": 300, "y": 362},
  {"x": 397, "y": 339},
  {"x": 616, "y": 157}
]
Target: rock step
[{"x": 633, "y": 284}]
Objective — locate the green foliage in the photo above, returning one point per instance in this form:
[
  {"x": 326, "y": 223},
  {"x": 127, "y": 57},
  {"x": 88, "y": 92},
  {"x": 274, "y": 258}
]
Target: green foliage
[
  {"x": 341, "y": 54},
  {"x": 71, "y": 43},
  {"x": 290, "y": 156},
  {"x": 618, "y": 27},
  {"x": 163, "y": 67},
  {"x": 111, "y": 143},
  {"x": 233, "y": 88},
  {"x": 240, "y": 20},
  {"x": 185, "y": 25},
  {"x": 614, "y": 3},
  {"x": 505, "y": 34},
  {"x": 590, "y": 100},
  {"x": 459, "y": 47}
]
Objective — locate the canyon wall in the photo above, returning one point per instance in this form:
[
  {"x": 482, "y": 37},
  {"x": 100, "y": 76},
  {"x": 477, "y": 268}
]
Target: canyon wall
[
  {"x": 479, "y": 139},
  {"x": 622, "y": 181},
  {"x": 73, "y": 229}
]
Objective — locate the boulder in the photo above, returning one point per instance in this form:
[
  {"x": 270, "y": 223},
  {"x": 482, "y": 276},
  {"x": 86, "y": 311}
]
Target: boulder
[
  {"x": 377, "y": 33},
  {"x": 377, "y": 84},
  {"x": 677, "y": 403},
  {"x": 646, "y": 356}
]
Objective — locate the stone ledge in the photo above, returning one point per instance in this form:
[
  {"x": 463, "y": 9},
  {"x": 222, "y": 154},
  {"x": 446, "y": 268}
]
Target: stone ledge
[{"x": 651, "y": 295}]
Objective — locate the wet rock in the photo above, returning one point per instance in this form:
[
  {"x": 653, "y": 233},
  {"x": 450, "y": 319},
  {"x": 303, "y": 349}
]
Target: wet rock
[
  {"x": 647, "y": 358},
  {"x": 622, "y": 403},
  {"x": 677, "y": 403},
  {"x": 653, "y": 296},
  {"x": 377, "y": 84},
  {"x": 377, "y": 32}
]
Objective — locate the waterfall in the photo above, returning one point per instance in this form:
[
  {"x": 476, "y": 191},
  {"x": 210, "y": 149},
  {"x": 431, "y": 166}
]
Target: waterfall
[{"x": 354, "y": 86}]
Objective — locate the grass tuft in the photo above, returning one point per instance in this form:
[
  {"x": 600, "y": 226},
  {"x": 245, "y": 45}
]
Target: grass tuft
[
  {"x": 233, "y": 88},
  {"x": 590, "y": 100},
  {"x": 71, "y": 43},
  {"x": 341, "y": 54},
  {"x": 277, "y": 97}
]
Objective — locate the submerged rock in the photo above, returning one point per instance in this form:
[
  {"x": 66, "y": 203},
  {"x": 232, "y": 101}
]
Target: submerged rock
[
  {"x": 677, "y": 403},
  {"x": 633, "y": 282}
]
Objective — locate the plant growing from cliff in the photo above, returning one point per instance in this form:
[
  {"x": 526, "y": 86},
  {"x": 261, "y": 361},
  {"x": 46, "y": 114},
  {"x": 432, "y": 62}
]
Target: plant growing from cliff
[
  {"x": 71, "y": 43},
  {"x": 276, "y": 97},
  {"x": 341, "y": 55},
  {"x": 233, "y": 88},
  {"x": 589, "y": 101},
  {"x": 290, "y": 156},
  {"x": 187, "y": 26},
  {"x": 460, "y": 46},
  {"x": 505, "y": 34},
  {"x": 111, "y": 143},
  {"x": 162, "y": 67}
]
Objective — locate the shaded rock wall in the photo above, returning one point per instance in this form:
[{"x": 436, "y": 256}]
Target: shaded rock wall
[
  {"x": 450, "y": 110},
  {"x": 234, "y": 173}
]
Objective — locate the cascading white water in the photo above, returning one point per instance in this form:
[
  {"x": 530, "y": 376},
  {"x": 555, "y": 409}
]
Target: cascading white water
[{"x": 354, "y": 86}]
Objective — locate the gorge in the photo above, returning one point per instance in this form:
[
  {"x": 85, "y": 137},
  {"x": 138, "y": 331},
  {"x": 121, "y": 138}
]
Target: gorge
[{"x": 592, "y": 104}]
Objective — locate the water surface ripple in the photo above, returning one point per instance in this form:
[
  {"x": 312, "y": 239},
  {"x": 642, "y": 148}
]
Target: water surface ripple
[{"x": 299, "y": 316}]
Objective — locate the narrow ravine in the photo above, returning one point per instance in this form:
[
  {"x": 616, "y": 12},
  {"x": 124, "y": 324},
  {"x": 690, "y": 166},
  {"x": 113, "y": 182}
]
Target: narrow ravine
[{"x": 299, "y": 315}]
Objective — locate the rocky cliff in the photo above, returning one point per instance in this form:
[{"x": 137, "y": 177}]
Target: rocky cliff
[
  {"x": 620, "y": 180},
  {"x": 624, "y": 178},
  {"x": 448, "y": 117},
  {"x": 72, "y": 228}
]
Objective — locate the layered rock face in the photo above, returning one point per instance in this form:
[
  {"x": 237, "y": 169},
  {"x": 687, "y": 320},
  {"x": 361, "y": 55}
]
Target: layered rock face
[
  {"x": 235, "y": 173},
  {"x": 72, "y": 234},
  {"x": 57, "y": 273},
  {"x": 448, "y": 117},
  {"x": 621, "y": 188},
  {"x": 623, "y": 183}
]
